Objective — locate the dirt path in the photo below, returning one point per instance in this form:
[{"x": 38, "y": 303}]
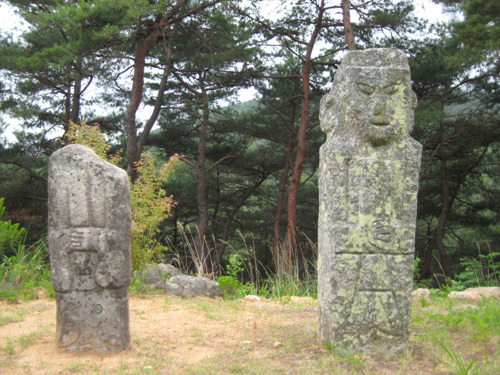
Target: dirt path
[
  {"x": 168, "y": 335},
  {"x": 195, "y": 336}
]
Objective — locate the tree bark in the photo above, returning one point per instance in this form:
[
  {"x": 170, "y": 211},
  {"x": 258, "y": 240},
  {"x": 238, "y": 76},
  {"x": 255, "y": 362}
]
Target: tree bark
[
  {"x": 67, "y": 107},
  {"x": 281, "y": 195},
  {"x": 141, "y": 51},
  {"x": 443, "y": 218},
  {"x": 201, "y": 189},
  {"x": 158, "y": 102},
  {"x": 75, "y": 106},
  {"x": 301, "y": 142},
  {"x": 346, "y": 19},
  {"x": 425, "y": 268}
]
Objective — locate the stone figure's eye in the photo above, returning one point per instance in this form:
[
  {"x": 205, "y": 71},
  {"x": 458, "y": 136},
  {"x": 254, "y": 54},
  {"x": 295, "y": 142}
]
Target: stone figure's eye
[
  {"x": 327, "y": 100},
  {"x": 366, "y": 89},
  {"x": 390, "y": 90}
]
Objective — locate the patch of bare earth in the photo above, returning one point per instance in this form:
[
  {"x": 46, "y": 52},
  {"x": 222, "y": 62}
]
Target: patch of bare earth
[{"x": 195, "y": 336}]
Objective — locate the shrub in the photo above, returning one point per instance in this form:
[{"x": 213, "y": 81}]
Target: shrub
[
  {"x": 10, "y": 233},
  {"x": 150, "y": 205},
  {"x": 230, "y": 286},
  {"x": 93, "y": 138},
  {"x": 26, "y": 270},
  {"x": 484, "y": 270}
]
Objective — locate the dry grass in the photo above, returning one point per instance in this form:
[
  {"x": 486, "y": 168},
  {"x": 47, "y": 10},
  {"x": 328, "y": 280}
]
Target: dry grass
[{"x": 204, "y": 336}]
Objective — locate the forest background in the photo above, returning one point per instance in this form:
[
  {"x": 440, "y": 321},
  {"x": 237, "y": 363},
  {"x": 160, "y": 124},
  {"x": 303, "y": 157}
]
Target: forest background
[{"x": 221, "y": 186}]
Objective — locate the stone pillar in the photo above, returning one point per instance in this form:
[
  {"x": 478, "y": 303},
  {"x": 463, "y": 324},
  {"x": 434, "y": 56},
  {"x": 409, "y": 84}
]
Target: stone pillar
[
  {"x": 89, "y": 243},
  {"x": 368, "y": 182}
]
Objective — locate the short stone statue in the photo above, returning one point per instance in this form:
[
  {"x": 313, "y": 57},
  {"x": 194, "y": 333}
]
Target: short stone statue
[
  {"x": 368, "y": 181},
  {"x": 89, "y": 243}
]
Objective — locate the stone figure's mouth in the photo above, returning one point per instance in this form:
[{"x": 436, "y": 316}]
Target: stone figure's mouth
[{"x": 379, "y": 121}]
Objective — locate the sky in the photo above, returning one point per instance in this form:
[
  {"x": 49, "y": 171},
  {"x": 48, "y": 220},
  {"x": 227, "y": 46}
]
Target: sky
[{"x": 9, "y": 21}]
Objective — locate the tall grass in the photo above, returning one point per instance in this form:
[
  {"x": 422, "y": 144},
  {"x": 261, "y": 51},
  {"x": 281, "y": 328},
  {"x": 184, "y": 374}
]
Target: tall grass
[
  {"x": 26, "y": 270},
  {"x": 482, "y": 270},
  {"x": 190, "y": 260},
  {"x": 245, "y": 273},
  {"x": 299, "y": 277}
]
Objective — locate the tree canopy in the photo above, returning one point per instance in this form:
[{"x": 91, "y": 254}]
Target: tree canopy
[{"x": 166, "y": 77}]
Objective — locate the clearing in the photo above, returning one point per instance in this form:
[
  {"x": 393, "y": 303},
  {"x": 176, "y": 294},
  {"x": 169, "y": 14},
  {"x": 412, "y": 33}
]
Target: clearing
[{"x": 206, "y": 336}]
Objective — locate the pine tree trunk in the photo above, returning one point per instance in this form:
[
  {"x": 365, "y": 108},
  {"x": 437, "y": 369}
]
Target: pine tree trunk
[
  {"x": 159, "y": 100},
  {"x": 141, "y": 51},
  {"x": 201, "y": 190},
  {"x": 301, "y": 143},
  {"x": 425, "y": 269},
  {"x": 443, "y": 218},
  {"x": 281, "y": 196},
  {"x": 75, "y": 106},
  {"x": 346, "y": 19}
]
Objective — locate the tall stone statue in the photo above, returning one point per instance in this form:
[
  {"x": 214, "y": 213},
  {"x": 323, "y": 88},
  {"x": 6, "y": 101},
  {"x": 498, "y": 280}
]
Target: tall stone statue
[
  {"x": 368, "y": 181},
  {"x": 89, "y": 243}
]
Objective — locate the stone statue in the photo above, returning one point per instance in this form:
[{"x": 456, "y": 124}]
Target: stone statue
[
  {"x": 368, "y": 182},
  {"x": 89, "y": 243}
]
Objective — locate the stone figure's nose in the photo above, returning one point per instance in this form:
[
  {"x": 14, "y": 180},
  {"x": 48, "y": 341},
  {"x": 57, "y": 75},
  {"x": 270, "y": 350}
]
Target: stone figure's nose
[{"x": 379, "y": 115}]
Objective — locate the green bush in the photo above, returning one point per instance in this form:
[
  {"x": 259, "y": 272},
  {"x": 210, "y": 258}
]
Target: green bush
[
  {"x": 10, "y": 233},
  {"x": 484, "y": 270},
  {"x": 25, "y": 271},
  {"x": 22, "y": 267},
  {"x": 229, "y": 286}
]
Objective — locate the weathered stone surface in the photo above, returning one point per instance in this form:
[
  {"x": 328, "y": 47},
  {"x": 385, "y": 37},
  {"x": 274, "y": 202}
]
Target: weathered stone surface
[
  {"x": 368, "y": 181},
  {"x": 156, "y": 273},
  {"x": 190, "y": 286},
  {"x": 419, "y": 295},
  {"x": 475, "y": 294},
  {"x": 89, "y": 243}
]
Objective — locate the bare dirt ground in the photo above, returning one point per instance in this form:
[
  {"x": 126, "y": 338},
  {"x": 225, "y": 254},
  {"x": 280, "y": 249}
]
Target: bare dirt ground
[{"x": 196, "y": 336}]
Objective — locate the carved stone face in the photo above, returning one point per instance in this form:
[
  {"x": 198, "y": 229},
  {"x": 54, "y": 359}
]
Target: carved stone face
[
  {"x": 376, "y": 103},
  {"x": 371, "y": 100}
]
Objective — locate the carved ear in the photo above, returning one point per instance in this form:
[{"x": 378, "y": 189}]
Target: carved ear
[
  {"x": 413, "y": 100},
  {"x": 326, "y": 104},
  {"x": 410, "y": 114},
  {"x": 326, "y": 110}
]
